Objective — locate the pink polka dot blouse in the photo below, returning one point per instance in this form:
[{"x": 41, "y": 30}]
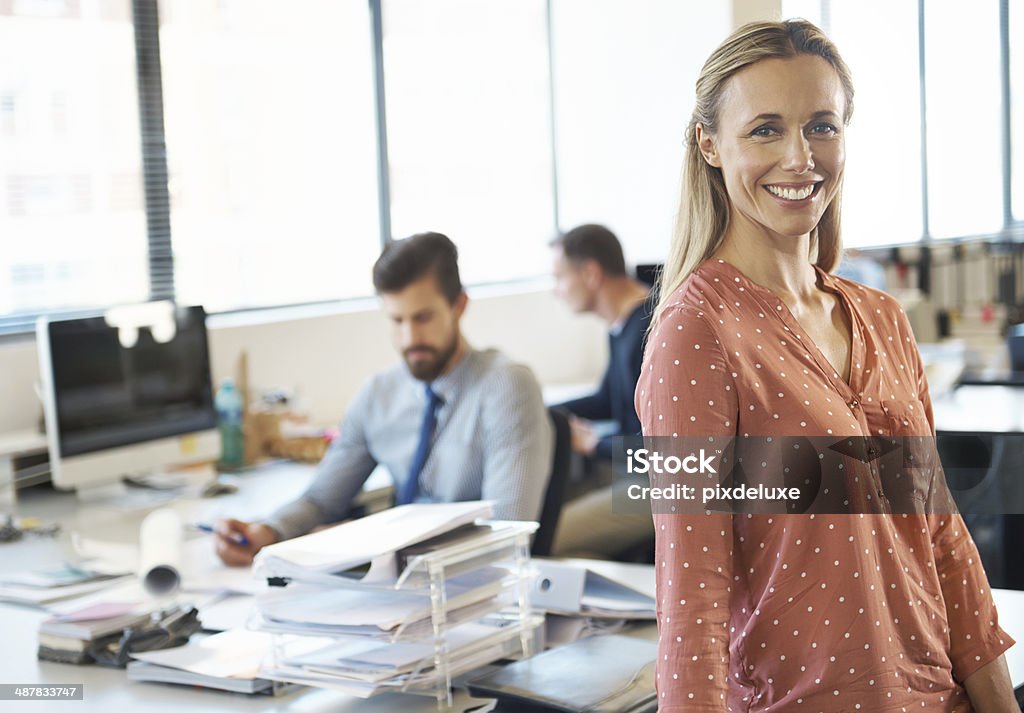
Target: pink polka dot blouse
[{"x": 835, "y": 613}]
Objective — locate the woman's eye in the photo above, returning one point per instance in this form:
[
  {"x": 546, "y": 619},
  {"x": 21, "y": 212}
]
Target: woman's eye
[
  {"x": 824, "y": 128},
  {"x": 763, "y": 131}
]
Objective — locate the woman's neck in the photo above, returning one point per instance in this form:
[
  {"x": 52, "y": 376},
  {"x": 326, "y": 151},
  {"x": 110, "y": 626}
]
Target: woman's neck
[{"x": 780, "y": 263}]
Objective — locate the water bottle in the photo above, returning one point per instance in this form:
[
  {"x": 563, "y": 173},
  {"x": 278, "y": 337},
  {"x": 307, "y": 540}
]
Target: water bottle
[{"x": 228, "y": 404}]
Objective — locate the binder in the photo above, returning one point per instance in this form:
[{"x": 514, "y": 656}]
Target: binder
[
  {"x": 600, "y": 674},
  {"x": 575, "y": 587}
]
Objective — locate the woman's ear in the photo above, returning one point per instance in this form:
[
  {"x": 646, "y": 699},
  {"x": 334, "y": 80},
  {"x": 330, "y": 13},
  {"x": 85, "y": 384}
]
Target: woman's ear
[{"x": 707, "y": 145}]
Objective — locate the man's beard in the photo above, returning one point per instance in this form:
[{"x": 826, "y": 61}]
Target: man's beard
[{"x": 429, "y": 369}]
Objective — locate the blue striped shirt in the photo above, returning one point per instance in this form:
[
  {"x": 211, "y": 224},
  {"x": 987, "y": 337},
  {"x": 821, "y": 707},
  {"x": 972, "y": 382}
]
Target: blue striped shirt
[{"x": 493, "y": 441}]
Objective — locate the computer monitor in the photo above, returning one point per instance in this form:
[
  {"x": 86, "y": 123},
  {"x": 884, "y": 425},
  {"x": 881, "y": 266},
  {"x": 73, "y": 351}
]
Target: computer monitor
[
  {"x": 126, "y": 393},
  {"x": 648, "y": 272}
]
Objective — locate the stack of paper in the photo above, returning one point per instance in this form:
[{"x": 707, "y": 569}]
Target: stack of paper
[
  {"x": 378, "y": 612},
  {"x": 364, "y": 668},
  {"x": 66, "y": 636},
  {"x": 228, "y": 661},
  {"x": 372, "y": 539},
  {"x": 432, "y": 578},
  {"x": 45, "y": 586}
]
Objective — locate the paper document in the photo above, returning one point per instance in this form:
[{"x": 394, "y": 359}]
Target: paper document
[
  {"x": 61, "y": 575},
  {"x": 384, "y": 609},
  {"x": 231, "y": 612},
  {"x": 45, "y": 597},
  {"x": 376, "y": 661},
  {"x": 154, "y": 673},
  {"x": 231, "y": 654},
  {"x": 459, "y": 664},
  {"x": 361, "y": 541}
]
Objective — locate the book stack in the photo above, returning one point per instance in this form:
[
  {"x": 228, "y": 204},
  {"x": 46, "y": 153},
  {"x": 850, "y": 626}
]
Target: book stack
[
  {"x": 69, "y": 636},
  {"x": 402, "y": 600}
]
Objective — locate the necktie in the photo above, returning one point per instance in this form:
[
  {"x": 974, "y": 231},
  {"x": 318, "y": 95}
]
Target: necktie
[{"x": 412, "y": 483}]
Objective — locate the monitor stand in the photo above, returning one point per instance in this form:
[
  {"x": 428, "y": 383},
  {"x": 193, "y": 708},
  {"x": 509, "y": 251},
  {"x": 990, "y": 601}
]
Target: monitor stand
[
  {"x": 146, "y": 490},
  {"x": 120, "y": 496}
]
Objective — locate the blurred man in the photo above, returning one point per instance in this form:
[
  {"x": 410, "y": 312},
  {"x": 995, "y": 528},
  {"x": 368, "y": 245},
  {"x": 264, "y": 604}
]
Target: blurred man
[
  {"x": 450, "y": 423},
  {"x": 590, "y": 276}
]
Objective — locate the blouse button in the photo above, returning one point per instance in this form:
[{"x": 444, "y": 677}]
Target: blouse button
[{"x": 854, "y": 404}]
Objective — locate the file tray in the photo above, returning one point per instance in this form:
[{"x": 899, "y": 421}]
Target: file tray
[
  {"x": 389, "y": 615},
  {"x": 458, "y": 604},
  {"x": 366, "y": 669}
]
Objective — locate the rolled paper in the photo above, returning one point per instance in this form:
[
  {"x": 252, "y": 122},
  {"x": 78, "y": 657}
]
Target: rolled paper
[{"x": 160, "y": 543}]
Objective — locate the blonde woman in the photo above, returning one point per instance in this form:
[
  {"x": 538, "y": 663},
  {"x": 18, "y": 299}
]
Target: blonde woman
[{"x": 755, "y": 337}]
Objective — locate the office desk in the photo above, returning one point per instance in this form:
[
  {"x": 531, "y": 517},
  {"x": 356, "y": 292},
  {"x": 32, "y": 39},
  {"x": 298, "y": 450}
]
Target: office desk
[
  {"x": 980, "y": 409},
  {"x": 260, "y": 491},
  {"x": 981, "y": 430},
  {"x": 109, "y": 690}
]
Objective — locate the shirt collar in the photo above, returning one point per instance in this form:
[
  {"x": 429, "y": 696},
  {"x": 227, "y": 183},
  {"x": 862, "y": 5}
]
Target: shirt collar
[
  {"x": 448, "y": 385},
  {"x": 721, "y": 267}
]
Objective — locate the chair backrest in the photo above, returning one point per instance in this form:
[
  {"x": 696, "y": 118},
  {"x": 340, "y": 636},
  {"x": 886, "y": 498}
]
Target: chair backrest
[{"x": 561, "y": 465}]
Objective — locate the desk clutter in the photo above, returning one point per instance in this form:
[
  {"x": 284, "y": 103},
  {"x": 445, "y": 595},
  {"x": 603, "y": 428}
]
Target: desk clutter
[
  {"x": 403, "y": 600},
  {"x": 421, "y": 599}
]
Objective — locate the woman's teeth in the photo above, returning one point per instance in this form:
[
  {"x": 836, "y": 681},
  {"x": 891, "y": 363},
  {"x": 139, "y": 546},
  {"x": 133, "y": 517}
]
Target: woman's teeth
[{"x": 791, "y": 194}]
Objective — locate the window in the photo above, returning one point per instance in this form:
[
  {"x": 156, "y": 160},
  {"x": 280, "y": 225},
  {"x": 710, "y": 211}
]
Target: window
[
  {"x": 624, "y": 76},
  {"x": 965, "y": 190},
  {"x": 506, "y": 121},
  {"x": 71, "y": 209},
  {"x": 810, "y": 10},
  {"x": 964, "y": 152},
  {"x": 882, "y": 187},
  {"x": 271, "y": 150},
  {"x": 468, "y": 119},
  {"x": 1016, "y": 18}
]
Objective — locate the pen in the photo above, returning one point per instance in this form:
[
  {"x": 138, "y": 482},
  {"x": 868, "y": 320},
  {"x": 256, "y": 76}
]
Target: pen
[{"x": 236, "y": 537}]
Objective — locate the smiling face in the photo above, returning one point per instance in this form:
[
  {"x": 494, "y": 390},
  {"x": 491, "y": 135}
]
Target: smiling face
[{"x": 779, "y": 144}]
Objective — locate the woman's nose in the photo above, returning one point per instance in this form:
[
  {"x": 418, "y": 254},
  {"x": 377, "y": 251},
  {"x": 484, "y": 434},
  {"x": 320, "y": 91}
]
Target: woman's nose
[{"x": 799, "y": 157}]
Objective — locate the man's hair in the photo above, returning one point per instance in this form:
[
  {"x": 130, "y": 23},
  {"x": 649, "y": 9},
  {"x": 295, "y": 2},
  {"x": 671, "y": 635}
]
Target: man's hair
[
  {"x": 404, "y": 261},
  {"x": 593, "y": 242}
]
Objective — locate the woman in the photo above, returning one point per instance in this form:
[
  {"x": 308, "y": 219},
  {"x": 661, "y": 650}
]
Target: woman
[{"x": 754, "y": 337}]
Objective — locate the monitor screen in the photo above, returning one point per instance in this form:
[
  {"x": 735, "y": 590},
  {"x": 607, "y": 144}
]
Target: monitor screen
[{"x": 108, "y": 395}]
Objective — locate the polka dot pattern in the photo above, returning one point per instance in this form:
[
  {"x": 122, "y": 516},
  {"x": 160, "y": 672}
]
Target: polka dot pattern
[{"x": 804, "y": 612}]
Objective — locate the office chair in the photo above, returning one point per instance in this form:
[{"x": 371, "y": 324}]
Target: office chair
[{"x": 557, "y": 483}]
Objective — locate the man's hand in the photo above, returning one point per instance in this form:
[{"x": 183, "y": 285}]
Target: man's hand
[
  {"x": 231, "y": 534},
  {"x": 584, "y": 440}
]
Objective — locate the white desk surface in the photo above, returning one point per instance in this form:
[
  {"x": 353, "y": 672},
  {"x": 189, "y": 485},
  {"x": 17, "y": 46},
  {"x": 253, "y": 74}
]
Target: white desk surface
[
  {"x": 260, "y": 491},
  {"x": 983, "y": 409},
  {"x": 986, "y": 409}
]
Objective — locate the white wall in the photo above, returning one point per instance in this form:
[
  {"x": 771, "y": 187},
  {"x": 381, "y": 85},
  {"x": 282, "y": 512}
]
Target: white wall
[
  {"x": 744, "y": 11},
  {"x": 325, "y": 359}
]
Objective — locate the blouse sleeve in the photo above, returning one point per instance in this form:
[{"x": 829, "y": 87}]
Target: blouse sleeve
[
  {"x": 975, "y": 637},
  {"x": 685, "y": 389}
]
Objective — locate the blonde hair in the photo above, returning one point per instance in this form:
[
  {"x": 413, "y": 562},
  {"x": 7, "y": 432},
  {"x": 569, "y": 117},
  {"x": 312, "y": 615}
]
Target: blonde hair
[{"x": 704, "y": 203}]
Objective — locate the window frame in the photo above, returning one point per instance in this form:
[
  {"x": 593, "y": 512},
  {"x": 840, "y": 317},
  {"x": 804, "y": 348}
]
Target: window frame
[{"x": 161, "y": 274}]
